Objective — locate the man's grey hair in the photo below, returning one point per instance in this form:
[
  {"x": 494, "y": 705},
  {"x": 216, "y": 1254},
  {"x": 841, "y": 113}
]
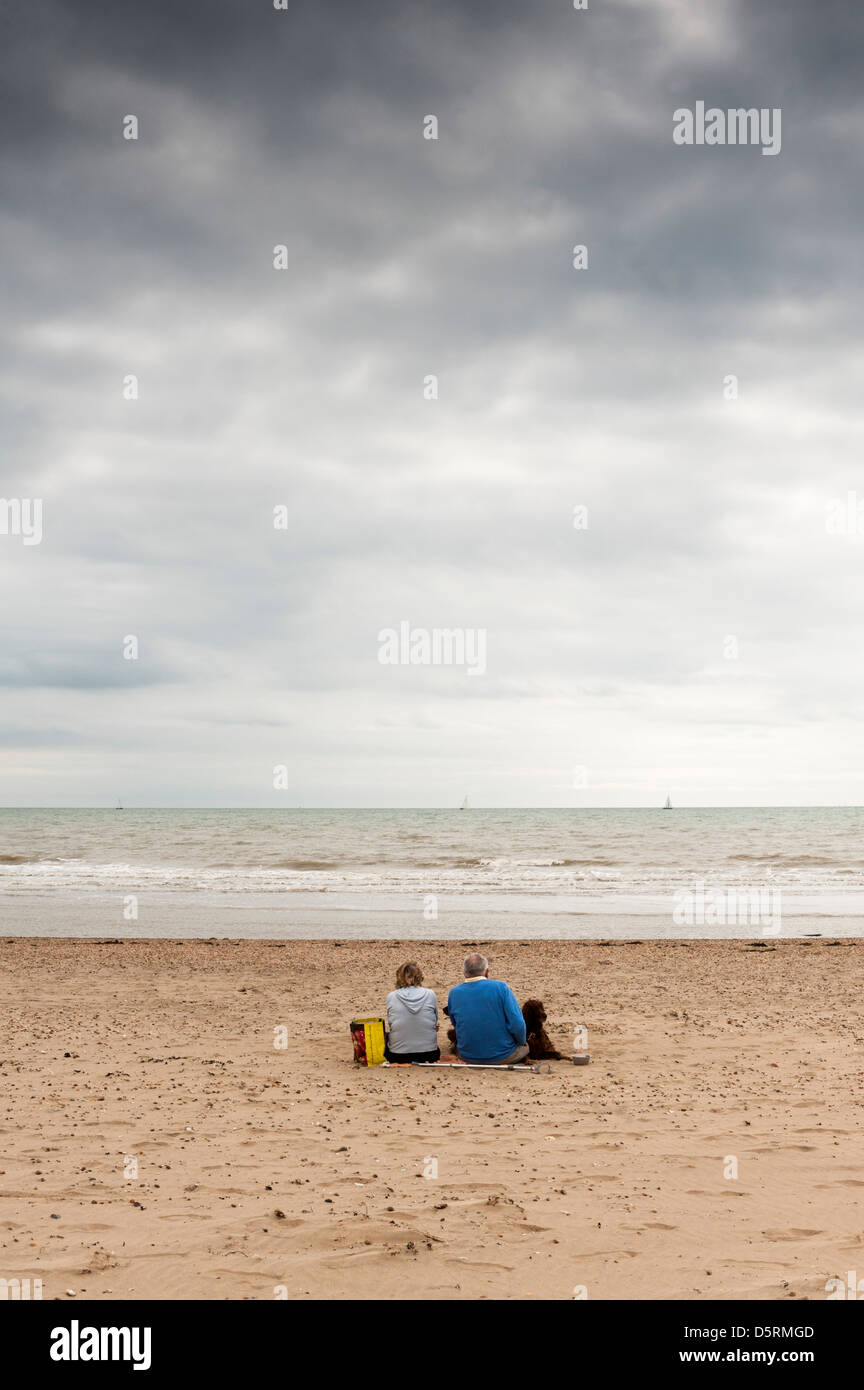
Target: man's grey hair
[{"x": 475, "y": 964}]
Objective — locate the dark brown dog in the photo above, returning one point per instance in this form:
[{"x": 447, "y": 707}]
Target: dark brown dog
[{"x": 539, "y": 1043}]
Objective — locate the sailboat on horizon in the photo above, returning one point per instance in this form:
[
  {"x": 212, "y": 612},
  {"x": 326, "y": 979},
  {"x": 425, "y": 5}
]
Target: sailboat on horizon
[
  {"x": 667, "y": 804},
  {"x": 464, "y": 806}
]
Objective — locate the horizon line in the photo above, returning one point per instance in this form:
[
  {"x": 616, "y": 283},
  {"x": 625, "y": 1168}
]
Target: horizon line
[{"x": 649, "y": 806}]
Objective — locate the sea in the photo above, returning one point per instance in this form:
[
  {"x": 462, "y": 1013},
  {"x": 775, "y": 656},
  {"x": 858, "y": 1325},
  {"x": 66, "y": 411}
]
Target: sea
[{"x": 470, "y": 874}]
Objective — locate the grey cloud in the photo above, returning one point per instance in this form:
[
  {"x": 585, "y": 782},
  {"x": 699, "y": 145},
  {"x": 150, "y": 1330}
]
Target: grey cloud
[{"x": 304, "y": 387}]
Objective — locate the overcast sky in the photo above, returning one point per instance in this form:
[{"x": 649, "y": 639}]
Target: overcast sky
[{"x": 608, "y": 647}]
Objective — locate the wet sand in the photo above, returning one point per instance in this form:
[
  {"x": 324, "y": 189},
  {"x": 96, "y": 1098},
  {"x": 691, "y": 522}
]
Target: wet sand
[
  {"x": 369, "y": 917},
  {"x": 156, "y": 1144}
]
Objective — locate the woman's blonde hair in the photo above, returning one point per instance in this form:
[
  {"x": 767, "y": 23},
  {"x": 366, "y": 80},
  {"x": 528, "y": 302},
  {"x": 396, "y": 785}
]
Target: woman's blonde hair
[{"x": 409, "y": 974}]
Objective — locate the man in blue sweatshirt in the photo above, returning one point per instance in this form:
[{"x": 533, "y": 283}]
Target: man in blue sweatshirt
[{"x": 488, "y": 1021}]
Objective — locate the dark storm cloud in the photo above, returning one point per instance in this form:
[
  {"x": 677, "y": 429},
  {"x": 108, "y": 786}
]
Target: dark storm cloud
[{"x": 304, "y": 388}]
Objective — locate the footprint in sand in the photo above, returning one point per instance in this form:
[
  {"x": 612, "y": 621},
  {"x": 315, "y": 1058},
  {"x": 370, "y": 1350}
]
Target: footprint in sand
[
  {"x": 787, "y": 1148},
  {"x": 793, "y": 1234},
  {"x": 478, "y": 1264}
]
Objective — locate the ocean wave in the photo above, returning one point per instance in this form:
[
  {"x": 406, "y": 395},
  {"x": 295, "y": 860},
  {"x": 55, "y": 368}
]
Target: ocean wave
[
  {"x": 300, "y": 864},
  {"x": 520, "y": 863},
  {"x": 568, "y": 853},
  {"x": 513, "y": 876},
  {"x": 791, "y": 860}
]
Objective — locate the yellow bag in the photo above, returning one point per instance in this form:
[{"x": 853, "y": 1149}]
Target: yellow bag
[{"x": 367, "y": 1035}]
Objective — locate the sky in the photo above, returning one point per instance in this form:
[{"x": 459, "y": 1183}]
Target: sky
[{"x": 694, "y": 389}]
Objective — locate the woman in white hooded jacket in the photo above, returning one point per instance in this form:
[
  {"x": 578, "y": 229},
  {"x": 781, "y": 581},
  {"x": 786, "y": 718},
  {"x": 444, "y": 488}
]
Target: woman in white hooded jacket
[{"x": 412, "y": 1018}]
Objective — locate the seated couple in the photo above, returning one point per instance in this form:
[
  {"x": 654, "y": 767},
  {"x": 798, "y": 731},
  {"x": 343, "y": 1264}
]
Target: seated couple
[{"x": 488, "y": 1025}]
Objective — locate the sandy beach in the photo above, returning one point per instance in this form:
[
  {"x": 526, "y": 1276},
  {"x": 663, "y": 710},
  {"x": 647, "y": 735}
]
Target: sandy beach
[{"x": 156, "y": 1144}]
